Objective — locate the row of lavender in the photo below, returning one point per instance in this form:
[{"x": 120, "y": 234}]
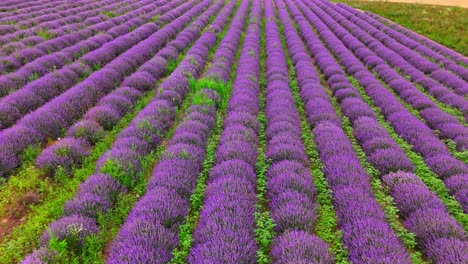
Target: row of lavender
[
  {"x": 448, "y": 126},
  {"x": 36, "y": 93},
  {"x": 341, "y": 42},
  {"x": 111, "y": 108},
  {"x": 224, "y": 232},
  {"x": 447, "y": 63},
  {"x": 34, "y": 44},
  {"x": 39, "y": 28},
  {"x": 19, "y": 54},
  {"x": 415, "y": 132},
  {"x": 10, "y": 7},
  {"x": 289, "y": 188},
  {"x": 442, "y": 239},
  {"x": 19, "y": 11},
  {"x": 123, "y": 162},
  {"x": 366, "y": 233},
  {"x": 89, "y": 52},
  {"x": 49, "y": 120},
  {"x": 165, "y": 205},
  {"x": 150, "y": 232},
  {"x": 441, "y": 49}
]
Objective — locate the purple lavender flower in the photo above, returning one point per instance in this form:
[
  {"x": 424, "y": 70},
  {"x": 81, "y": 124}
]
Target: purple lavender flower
[
  {"x": 300, "y": 247},
  {"x": 395, "y": 178},
  {"x": 119, "y": 103},
  {"x": 142, "y": 81},
  {"x": 289, "y": 181},
  {"x": 235, "y": 167},
  {"x": 237, "y": 150},
  {"x": 293, "y": 210},
  {"x": 73, "y": 229},
  {"x": 88, "y": 130},
  {"x": 8, "y": 115},
  {"x": 66, "y": 154},
  {"x": 40, "y": 255},
  {"x": 163, "y": 205},
  {"x": 410, "y": 197},
  {"x": 122, "y": 164},
  {"x": 142, "y": 235},
  {"x": 390, "y": 160},
  {"x": 432, "y": 224},
  {"x": 176, "y": 174},
  {"x": 287, "y": 152},
  {"x": 103, "y": 186},
  {"x": 104, "y": 115},
  {"x": 446, "y": 166},
  {"x": 87, "y": 204},
  {"x": 131, "y": 93},
  {"x": 230, "y": 250},
  {"x": 447, "y": 250}
]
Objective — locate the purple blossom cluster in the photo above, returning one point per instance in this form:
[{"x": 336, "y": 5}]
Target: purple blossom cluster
[
  {"x": 434, "y": 88},
  {"x": 73, "y": 229},
  {"x": 362, "y": 48},
  {"x": 20, "y": 54},
  {"x": 144, "y": 134},
  {"x": 223, "y": 59},
  {"x": 175, "y": 176},
  {"x": 366, "y": 233},
  {"x": 289, "y": 188},
  {"x": 411, "y": 129},
  {"x": 397, "y": 54},
  {"x": 39, "y": 256},
  {"x": 299, "y": 247},
  {"x": 150, "y": 233},
  {"x": 438, "y": 234},
  {"x": 382, "y": 152},
  {"x": 56, "y": 61},
  {"x": 49, "y": 120},
  {"x": 111, "y": 108},
  {"x": 225, "y": 229},
  {"x": 52, "y": 16},
  {"x": 65, "y": 154},
  {"x": 451, "y": 54},
  {"x": 95, "y": 196},
  {"x": 102, "y": 47},
  {"x": 405, "y": 40}
]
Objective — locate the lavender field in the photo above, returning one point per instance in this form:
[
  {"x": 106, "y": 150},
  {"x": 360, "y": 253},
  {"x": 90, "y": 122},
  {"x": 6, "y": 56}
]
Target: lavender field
[{"x": 216, "y": 131}]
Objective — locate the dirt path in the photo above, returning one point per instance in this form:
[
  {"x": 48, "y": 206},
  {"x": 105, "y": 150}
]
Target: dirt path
[{"x": 460, "y": 3}]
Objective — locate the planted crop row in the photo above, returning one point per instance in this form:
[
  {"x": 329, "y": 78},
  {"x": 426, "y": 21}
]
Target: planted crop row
[
  {"x": 121, "y": 33},
  {"x": 124, "y": 161},
  {"x": 213, "y": 131},
  {"x": 110, "y": 109},
  {"x": 224, "y": 231},
  {"x": 50, "y": 119},
  {"x": 453, "y": 55}
]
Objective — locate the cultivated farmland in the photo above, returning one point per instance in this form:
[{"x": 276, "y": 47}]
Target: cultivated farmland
[{"x": 216, "y": 131}]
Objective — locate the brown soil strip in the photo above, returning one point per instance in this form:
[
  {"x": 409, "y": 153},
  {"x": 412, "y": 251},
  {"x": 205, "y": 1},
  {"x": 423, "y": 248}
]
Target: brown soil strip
[{"x": 17, "y": 212}]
